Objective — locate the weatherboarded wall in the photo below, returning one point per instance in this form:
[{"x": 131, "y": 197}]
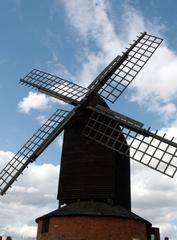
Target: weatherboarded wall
[{"x": 90, "y": 227}]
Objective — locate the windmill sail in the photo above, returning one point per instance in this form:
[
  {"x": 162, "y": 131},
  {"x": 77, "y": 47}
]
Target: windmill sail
[
  {"x": 117, "y": 76},
  {"x": 55, "y": 86},
  {"x": 146, "y": 147},
  {"x": 110, "y": 83},
  {"x": 33, "y": 148}
]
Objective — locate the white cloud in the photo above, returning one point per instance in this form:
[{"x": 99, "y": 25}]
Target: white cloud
[
  {"x": 34, "y": 193},
  {"x": 37, "y": 101},
  {"x": 23, "y": 231},
  {"x": 5, "y": 157},
  {"x": 156, "y": 86},
  {"x": 153, "y": 194},
  {"x": 90, "y": 19},
  {"x": 41, "y": 119},
  {"x": 133, "y": 22},
  {"x": 153, "y": 198},
  {"x": 33, "y": 101}
]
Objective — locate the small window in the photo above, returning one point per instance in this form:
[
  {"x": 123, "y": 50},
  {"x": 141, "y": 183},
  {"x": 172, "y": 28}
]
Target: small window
[
  {"x": 45, "y": 225},
  {"x": 152, "y": 237}
]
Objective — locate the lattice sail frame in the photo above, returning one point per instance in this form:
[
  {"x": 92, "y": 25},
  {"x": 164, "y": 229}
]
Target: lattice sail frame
[
  {"x": 137, "y": 56},
  {"x": 146, "y": 147},
  {"x": 109, "y": 84},
  {"x": 55, "y": 86},
  {"x": 32, "y": 149}
]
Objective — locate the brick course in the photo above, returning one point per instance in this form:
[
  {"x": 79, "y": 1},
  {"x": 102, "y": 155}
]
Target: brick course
[{"x": 92, "y": 228}]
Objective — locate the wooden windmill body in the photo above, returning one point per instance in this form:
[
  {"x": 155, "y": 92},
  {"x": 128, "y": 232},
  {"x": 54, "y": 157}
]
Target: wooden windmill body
[
  {"x": 91, "y": 171},
  {"x": 94, "y": 185}
]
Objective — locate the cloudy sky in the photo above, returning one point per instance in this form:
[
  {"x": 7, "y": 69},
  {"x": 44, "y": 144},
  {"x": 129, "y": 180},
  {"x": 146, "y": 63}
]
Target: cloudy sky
[{"x": 75, "y": 40}]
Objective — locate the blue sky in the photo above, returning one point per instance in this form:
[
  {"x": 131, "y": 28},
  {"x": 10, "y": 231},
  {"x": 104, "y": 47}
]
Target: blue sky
[{"x": 75, "y": 40}]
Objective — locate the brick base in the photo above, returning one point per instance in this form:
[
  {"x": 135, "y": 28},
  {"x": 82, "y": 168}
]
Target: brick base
[{"x": 92, "y": 228}]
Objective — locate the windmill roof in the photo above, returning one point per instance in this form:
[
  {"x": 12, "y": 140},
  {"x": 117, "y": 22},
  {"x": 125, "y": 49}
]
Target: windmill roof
[{"x": 94, "y": 209}]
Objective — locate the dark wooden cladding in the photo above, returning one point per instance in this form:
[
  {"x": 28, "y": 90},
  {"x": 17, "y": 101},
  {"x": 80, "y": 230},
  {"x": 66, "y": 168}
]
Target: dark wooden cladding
[{"x": 90, "y": 170}]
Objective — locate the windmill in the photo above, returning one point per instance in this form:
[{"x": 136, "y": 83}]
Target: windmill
[{"x": 98, "y": 142}]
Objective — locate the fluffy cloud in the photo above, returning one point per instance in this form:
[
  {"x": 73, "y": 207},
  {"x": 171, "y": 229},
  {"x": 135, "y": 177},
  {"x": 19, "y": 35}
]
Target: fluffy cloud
[
  {"x": 33, "y": 101},
  {"x": 153, "y": 194},
  {"x": 4, "y": 157},
  {"x": 37, "y": 101},
  {"x": 91, "y": 21},
  {"x": 155, "y": 199},
  {"x": 156, "y": 86},
  {"x": 34, "y": 193}
]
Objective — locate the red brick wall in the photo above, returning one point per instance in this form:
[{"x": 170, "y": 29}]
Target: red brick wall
[{"x": 92, "y": 228}]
